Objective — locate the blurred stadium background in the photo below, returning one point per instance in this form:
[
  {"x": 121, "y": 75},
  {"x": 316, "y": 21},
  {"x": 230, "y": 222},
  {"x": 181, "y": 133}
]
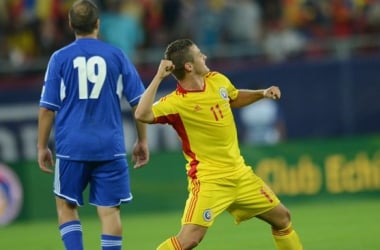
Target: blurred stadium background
[{"x": 319, "y": 142}]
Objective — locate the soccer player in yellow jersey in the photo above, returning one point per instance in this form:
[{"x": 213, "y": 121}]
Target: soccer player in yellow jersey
[{"x": 218, "y": 178}]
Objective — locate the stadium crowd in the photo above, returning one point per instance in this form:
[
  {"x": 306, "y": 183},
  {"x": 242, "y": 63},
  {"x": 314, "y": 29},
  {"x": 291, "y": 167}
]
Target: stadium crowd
[{"x": 32, "y": 29}]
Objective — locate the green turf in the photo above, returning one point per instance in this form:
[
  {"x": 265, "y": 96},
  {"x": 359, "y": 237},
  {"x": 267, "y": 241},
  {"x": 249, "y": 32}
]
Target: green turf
[{"x": 341, "y": 225}]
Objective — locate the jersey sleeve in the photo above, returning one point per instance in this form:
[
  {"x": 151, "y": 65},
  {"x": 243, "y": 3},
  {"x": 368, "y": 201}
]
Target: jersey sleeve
[
  {"x": 231, "y": 89},
  {"x": 53, "y": 89},
  {"x": 164, "y": 110},
  {"x": 233, "y": 92},
  {"x": 133, "y": 87}
]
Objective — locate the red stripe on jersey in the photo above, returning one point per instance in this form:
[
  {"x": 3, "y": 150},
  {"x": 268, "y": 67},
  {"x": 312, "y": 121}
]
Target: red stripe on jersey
[{"x": 176, "y": 121}]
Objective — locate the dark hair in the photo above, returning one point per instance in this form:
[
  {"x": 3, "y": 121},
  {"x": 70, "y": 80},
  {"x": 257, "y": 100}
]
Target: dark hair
[
  {"x": 83, "y": 16},
  {"x": 179, "y": 53}
]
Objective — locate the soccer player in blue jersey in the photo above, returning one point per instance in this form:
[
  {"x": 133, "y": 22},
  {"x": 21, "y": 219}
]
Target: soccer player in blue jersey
[{"x": 83, "y": 87}]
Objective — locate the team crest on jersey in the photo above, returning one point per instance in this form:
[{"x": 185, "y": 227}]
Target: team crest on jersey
[
  {"x": 223, "y": 93},
  {"x": 207, "y": 215},
  {"x": 197, "y": 107}
]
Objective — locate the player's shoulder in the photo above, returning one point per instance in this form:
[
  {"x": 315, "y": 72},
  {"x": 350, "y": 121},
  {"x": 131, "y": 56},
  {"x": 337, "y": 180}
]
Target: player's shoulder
[
  {"x": 63, "y": 51},
  {"x": 110, "y": 47},
  {"x": 169, "y": 96},
  {"x": 215, "y": 75},
  {"x": 88, "y": 48},
  {"x": 90, "y": 45},
  {"x": 216, "y": 78}
]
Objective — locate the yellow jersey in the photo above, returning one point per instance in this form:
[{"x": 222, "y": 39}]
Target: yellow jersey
[{"x": 205, "y": 125}]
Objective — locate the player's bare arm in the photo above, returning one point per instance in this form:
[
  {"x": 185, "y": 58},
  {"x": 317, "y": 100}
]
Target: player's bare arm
[
  {"x": 143, "y": 111},
  {"x": 45, "y": 157},
  {"x": 140, "y": 154},
  {"x": 248, "y": 96}
]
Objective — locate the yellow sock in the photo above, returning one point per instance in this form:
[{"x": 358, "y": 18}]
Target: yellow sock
[
  {"x": 287, "y": 239},
  {"x": 170, "y": 244}
]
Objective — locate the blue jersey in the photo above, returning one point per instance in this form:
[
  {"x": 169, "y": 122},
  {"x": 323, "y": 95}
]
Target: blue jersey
[{"x": 84, "y": 84}]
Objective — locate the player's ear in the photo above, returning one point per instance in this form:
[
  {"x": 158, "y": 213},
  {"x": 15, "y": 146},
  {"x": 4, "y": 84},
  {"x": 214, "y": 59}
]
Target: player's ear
[
  {"x": 70, "y": 26},
  {"x": 188, "y": 67}
]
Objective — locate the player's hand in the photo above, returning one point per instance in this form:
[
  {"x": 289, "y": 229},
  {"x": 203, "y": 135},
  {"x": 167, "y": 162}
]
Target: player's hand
[
  {"x": 45, "y": 160},
  {"x": 272, "y": 92},
  {"x": 165, "y": 68},
  {"x": 140, "y": 154}
]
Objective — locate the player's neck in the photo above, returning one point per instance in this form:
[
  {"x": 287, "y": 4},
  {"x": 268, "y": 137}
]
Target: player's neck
[
  {"x": 86, "y": 36},
  {"x": 192, "y": 83},
  {"x": 93, "y": 35}
]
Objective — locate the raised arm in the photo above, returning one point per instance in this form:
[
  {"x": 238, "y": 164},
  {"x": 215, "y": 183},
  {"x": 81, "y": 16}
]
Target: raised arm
[
  {"x": 247, "y": 96},
  {"x": 143, "y": 112}
]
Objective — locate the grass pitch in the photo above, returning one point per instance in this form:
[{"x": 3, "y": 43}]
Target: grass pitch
[{"x": 351, "y": 224}]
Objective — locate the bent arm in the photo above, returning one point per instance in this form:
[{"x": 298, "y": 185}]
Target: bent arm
[
  {"x": 143, "y": 112},
  {"x": 247, "y": 96}
]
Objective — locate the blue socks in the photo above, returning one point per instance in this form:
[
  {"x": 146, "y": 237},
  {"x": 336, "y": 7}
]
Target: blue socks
[
  {"x": 71, "y": 234},
  {"x": 111, "y": 242}
]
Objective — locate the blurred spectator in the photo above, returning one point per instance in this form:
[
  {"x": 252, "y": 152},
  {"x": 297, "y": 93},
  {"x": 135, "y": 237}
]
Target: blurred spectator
[
  {"x": 186, "y": 27},
  {"x": 134, "y": 8},
  {"x": 152, "y": 23},
  {"x": 209, "y": 22},
  {"x": 271, "y": 10},
  {"x": 171, "y": 10},
  {"x": 263, "y": 123},
  {"x": 21, "y": 42},
  {"x": 244, "y": 22},
  {"x": 374, "y": 17},
  {"x": 33, "y": 29},
  {"x": 120, "y": 28},
  {"x": 281, "y": 42},
  {"x": 22, "y": 45},
  {"x": 52, "y": 31},
  {"x": 3, "y": 34},
  {"x": 342, "y": 18}
]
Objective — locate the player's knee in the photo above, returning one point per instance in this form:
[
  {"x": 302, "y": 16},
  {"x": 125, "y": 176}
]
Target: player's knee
[{"x": 284, "y": 220}]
